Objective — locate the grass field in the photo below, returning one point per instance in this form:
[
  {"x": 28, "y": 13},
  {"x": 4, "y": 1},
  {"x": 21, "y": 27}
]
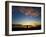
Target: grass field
[{"x": 18, "y": 27}]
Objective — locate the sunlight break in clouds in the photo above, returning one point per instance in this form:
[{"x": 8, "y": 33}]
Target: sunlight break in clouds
[{"x": 29, "y": 22}]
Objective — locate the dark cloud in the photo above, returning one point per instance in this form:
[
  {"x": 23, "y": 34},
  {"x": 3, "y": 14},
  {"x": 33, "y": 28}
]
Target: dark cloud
[{"x": 29, "y": 11}]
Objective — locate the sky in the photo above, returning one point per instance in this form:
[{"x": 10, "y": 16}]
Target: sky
[{"x": 26, "y": 15}]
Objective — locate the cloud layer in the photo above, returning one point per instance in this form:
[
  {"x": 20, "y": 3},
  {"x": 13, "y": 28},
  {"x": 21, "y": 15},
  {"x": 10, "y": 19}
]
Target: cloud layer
[{"x": 29, "y": 11}]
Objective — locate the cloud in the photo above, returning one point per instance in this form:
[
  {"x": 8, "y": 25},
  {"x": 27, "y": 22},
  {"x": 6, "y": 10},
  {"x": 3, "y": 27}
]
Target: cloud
[{"x": 29, "y": 11}]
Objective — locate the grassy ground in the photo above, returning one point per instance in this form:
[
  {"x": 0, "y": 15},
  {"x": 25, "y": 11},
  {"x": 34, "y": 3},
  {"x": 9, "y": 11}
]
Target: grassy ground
[{"x": 25, "y": 27}]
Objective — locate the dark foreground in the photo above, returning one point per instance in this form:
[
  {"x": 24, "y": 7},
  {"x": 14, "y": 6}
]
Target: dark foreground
[{"x": 25, "y": 27}]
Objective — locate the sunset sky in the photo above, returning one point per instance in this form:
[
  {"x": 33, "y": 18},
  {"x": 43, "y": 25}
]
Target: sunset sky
[{"x": 26, "y": 16}]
